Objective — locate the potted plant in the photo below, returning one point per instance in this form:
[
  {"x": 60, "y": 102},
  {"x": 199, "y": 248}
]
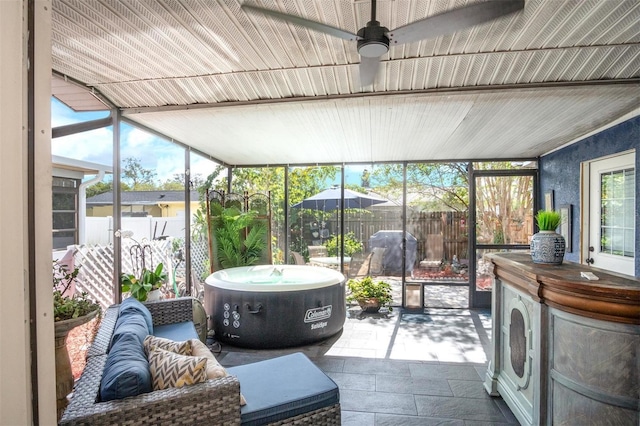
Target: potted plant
[
  {"x": 69, "y": 312},
  {"x": 370, "y": 295},
  {"x": 67, "y": 307},
  {"x": 547, "y": 246},
  {"x": 146, "y": 286}
]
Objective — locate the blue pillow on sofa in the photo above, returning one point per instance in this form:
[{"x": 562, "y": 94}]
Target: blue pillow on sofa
[
  {"x": 133, "y": 304},
  {"x": 129, "y": 323},
  {"x": 126, "y": 371}
]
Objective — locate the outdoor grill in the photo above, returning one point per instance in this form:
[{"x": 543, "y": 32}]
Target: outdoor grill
[{"x": 392, "y": 242}]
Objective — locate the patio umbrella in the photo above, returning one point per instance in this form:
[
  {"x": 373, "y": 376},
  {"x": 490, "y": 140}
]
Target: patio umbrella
[{"x": 331, "y": 199}]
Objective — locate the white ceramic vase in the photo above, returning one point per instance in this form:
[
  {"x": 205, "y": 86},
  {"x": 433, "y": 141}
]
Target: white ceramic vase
[{"x": 154, "y": 295}]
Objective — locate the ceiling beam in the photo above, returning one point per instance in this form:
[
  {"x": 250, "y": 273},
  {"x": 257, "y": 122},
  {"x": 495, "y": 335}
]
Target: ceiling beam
[{"x": 444, "y": 90}]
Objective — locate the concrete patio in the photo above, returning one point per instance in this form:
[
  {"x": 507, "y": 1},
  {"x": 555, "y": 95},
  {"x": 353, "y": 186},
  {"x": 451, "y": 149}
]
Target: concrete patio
[{"x": 405, "y": 368}]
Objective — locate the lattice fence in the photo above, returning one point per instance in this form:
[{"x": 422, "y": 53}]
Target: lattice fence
[{"x": 96, "y": 267}]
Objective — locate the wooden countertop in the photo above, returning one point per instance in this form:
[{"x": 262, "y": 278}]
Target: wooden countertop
[{"x": 613, "y": 297}]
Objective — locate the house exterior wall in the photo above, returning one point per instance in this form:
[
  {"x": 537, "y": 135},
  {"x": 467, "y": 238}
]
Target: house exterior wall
[
  {"x": 167, "y": 210},
  {"x": 178, "y": 209},
  {"x": 17, "y": 245},
  {"x": 560, "y": 172}
]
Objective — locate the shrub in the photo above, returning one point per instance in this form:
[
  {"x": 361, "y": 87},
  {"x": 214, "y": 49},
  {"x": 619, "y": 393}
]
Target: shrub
[{"x": 351, "y": 244}]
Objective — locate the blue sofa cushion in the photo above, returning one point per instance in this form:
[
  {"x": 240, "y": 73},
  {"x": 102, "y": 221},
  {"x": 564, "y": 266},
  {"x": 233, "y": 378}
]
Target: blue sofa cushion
[
  {"x": 133, "y": 304},
  {"x": 178, "y": 332},
  {"x": 283, "y": 387},
  {"x": 130, "y": 323},
  {"x": 126, "y": 371}
]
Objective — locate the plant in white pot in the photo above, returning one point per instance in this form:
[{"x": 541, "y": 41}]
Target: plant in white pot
[
  {"x": 547, "y": 246},
  {"x": 143, "y": 284},
  {"x": 147, "y": 286}
]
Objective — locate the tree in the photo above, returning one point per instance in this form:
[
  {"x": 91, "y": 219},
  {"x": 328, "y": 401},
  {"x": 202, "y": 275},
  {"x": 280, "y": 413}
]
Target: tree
[
  {"x": 176, "y": 182},
  {"x": 365, "y": 179},
  {"x": 99, "y": 188},
  {"x": 500, "y": 202},
  {"x": 140, "y": 179},
  {"x": 437, "y": 186},
  {"x": 102, "y": 187}
]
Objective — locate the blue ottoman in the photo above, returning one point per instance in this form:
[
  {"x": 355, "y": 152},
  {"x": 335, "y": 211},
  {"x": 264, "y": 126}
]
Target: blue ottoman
[{"x": 283, "y": 387}]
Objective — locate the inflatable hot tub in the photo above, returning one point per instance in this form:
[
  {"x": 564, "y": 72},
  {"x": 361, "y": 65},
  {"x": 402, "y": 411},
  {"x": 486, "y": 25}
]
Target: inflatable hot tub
[{"x": 277, "y": 306}]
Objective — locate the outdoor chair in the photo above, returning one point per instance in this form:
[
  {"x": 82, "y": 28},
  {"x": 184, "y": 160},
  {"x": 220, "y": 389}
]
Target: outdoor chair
[
  {"x": 434, "y": 251},
  {"x": 298, "y": 258},
  {"x": 376, "y": 266},
  {"x": 359, "y": 266}
]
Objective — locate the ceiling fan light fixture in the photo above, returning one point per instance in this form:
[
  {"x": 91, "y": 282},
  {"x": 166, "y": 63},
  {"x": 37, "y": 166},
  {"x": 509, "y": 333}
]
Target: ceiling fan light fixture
[
  {"x": 372, "y": 49},
  {"x": 373, "y": 41}
]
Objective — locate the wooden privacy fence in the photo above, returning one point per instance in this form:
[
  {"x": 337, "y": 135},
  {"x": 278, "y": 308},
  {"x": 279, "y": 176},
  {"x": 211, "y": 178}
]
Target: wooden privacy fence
[{"x": 451, "y": 226}]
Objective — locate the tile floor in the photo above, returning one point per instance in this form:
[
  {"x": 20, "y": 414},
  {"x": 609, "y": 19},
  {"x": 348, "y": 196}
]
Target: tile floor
[{"x": 405, "y": 368}]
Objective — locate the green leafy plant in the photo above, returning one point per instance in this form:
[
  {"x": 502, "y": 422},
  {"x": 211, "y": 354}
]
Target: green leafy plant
[
  {"x": 365, "y": 289},
  {"x": 69, "y": 307},
  {"x": 548, "y": 220},
  {"x": 149, "y": 280},
  {"x": 240, "y": 237},
  {"x": 351, "y": 244}
]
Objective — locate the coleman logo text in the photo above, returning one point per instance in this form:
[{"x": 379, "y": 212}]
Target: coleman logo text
[{"x": 317, "y": 314}]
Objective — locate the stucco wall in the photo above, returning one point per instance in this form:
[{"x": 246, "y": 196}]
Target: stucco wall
[
  {"x": 17, "y": 245},
  {"x": 560, "y": 171}
]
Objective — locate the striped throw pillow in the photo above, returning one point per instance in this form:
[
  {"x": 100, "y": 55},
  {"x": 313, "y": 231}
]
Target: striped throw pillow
[
  {"x": 171, "y": 370},
  {"x": 182, "y": 348}
]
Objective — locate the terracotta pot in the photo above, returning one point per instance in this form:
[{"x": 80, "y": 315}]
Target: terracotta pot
[
  {"x": 64, "y": 376},
  {"x": 370, "y": 305}
]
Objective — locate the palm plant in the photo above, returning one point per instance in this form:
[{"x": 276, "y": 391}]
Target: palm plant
[{"x": 240, "y": 237}]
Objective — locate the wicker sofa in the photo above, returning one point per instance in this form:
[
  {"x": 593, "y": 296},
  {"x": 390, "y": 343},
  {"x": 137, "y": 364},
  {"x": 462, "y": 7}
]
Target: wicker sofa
[{"x": 214, "y": 402}]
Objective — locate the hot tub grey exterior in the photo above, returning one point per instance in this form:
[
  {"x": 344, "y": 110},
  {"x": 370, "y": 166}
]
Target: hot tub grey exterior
[{"x": 276, "y": 319}]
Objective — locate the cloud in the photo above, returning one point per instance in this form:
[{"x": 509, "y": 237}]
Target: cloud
[
  {"x": 95, "y": 146},
  {"x": 202, "y": 166}
]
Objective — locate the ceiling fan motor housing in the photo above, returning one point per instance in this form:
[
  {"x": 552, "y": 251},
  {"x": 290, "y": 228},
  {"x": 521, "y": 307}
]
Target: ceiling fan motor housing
[{"x": 373, "y": 41}]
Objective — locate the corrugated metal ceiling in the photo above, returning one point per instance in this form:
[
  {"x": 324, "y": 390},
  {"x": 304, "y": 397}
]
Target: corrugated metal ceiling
[{"x": 248, "y": 89}]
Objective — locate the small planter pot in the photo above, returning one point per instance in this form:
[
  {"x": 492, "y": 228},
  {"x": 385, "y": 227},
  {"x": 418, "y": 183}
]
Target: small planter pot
[
  {"x": 154, "y": 295},
  {"x": 370, "y": 305},
  {"x": 547, "y": 247}
]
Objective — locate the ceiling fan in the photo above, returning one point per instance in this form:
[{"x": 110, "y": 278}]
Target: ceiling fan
[{"x": 374, "y": 40}]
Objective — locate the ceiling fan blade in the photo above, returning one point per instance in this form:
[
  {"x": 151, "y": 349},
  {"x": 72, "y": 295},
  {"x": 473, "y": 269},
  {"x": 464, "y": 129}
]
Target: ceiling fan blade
[
  {"x": 368, "y": 70},
  {"x": 454, "y": 20},
  {"x": 313, "y": 25}
]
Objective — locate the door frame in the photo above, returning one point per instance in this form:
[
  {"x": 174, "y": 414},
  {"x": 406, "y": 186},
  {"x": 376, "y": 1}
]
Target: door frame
[
  {"x": 482, "y": 299},
  {"x": 585, "y": 202}
]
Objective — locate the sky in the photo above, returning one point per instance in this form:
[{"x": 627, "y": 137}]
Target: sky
[{"x": 96, "y": 146}]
